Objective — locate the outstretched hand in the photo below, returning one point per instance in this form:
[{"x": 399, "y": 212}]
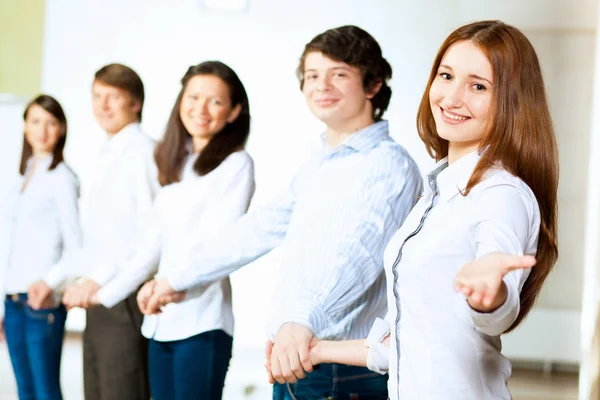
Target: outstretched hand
[{"x": 482, "y": 282}]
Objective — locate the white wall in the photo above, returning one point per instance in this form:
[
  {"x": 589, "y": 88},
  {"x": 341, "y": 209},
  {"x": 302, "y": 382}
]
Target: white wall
[{"x": 161, "y": 39}]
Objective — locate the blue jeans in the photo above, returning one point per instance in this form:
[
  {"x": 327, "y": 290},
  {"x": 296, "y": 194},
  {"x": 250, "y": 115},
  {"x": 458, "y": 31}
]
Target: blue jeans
[
  {"x": 35, "y": 340},
  {"x": 336, "y": 382},
  {"x": 189, "y": 369}
]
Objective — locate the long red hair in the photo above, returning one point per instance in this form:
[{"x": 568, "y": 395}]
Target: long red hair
[{"x": 520, "y": 136}]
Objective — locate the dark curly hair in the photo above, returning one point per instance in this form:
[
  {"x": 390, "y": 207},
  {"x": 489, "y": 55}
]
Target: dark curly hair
[{"x": 355, "y": 46}]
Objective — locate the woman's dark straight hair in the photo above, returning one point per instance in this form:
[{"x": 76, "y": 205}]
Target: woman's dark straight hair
[
  {"x": 51, "y": 105},
  {"x": 170, "y": 152}
]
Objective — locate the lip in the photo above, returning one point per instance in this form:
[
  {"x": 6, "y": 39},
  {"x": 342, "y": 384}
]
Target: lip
[
  {"x": 326, "y": 102},
  {"x": 451, "y": 121}
]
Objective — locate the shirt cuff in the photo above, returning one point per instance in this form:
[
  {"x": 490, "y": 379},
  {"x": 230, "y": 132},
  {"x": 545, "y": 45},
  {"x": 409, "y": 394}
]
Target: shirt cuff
[
  {"x": 107, "y": 298},
  {"x": 178, "y": 283},
  {"x": 54, "y": 279},
  {"x": 496, "y": 322},
  {"x": 378, "y": 357}
]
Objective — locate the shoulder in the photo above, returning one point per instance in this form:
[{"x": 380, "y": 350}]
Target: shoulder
[
  {"x": 504, "y": 191},
  {"x": 64, "y": 175},
  {"x": 142, "y": 142},
  {"x": 238, "y": 161},
  {"x": 63, "y": 182},
  {"x": 390, "y": 158}
]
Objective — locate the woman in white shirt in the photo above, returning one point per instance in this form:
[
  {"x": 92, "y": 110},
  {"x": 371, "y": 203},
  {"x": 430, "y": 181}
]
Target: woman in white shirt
[
  {"x": 208, "y": 182},
  {"x": 40, "y": 228},
  {"x": 484, "y": 116}
]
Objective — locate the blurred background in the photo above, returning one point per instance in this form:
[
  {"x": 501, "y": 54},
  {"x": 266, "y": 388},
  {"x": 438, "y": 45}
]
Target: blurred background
[{"x": 55, "y": 46}]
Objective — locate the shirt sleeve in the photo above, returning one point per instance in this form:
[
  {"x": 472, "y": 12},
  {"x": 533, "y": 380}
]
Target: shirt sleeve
[
  {"x": 506, "y": 223},
  {"x": 5, "y": 213},
  {"x": 137, "y": 270},
  {"x": 250, "y": 237},
  {"x": 144, "y": 186},
  {"x": 378, "y": 357},
  {"x": 352, "y": 263},
  {"x": 66, "y": 194},
  {"x": 229, "y": 204}
]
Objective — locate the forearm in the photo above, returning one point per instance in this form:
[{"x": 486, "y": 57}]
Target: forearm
[{"x": 349, "y": 352}]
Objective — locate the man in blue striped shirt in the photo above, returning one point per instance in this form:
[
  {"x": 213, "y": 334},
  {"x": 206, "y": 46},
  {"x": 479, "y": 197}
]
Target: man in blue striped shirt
[{"x": 333, "y": 223}]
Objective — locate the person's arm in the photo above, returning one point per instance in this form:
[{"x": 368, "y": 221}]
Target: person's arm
[
  {"x": 228, "y": 203},
  {"x": 143, "y": 183},
  {"x": 351, "y": 262},
  {"x": 252, "y": 236},
  {"x": 137, "y": 269},
  {"x": 66, "y": 195},
  {"x": 507, "y": 223},
  {"x": 354, "y": 260}
]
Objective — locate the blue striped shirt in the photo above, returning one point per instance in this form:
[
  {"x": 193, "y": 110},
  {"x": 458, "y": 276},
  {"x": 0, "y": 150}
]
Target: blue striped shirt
[{"x": 333, "y": 223}]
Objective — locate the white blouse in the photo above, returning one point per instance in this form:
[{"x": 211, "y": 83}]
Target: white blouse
[
  {"x": 39, "y": 226},
  {"x": 441, "y": 349},
  {"x": 185, "y": 214}
]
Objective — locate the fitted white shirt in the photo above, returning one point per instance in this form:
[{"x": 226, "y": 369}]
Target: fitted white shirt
[
  {"x": 441, "y": 349},
  {"x": 187, "y": 213},
  {"x": 117, "y": 202},
  {"x": 39, "y": 226}
]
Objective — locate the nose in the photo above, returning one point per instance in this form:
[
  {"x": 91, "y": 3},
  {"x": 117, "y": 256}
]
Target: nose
[
  {"x": 104, "y": 102},
  {"x": 201, "y": 107},
  {"x": 323, "y": 83},
  {"x": 454, "y": 96}
]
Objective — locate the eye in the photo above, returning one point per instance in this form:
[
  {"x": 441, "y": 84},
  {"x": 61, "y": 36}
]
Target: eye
[
  {"x": 216, "y": 102},
  {"x": 445, "y": 76},
  {"x": 478, "y": 87},
  {"x": 340, "y": 74},
  {"x": 310, "y": 77}
]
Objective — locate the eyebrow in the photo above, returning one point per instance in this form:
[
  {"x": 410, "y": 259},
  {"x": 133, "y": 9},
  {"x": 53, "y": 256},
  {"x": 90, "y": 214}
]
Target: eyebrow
[
  {"x": 333, "y": 69},
  {"x": 470, "y": 75}
]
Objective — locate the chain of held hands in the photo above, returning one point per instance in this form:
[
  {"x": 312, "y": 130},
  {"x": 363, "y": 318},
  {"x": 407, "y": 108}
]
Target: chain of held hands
[{"x": 295, "y": 350}]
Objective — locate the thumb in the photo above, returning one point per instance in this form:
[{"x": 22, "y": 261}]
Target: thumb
[{"x": 512, "y": 262}]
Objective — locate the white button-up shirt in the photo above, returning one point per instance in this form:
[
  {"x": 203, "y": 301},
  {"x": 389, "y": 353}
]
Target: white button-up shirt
[
  {"x": 441, "y": 349},
  {"x": 39, "y": 227},
  {"x": 117, "y": 202},
  {"x": 186, "y": 213},
  {"x": 333, "y": 224}
]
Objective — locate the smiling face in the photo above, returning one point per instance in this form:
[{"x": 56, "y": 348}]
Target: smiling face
[
  {"x": 461, "y": 97},
  {"x": 206, "y": 108},
  {"x": 114, "y": 108},
  {"x": 42, "y": 130},
  {"x": 335, "y": 94}
]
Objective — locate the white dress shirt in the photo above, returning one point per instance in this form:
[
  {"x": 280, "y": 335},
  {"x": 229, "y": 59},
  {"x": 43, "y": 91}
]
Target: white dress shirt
[
  {"x": 441, "y": 349},
  {"x": 39, "y": 226},
  {"x": 333, "y": 222},
  {"x": 186, "y": 213},
  {"x": 117, "y": 202}
]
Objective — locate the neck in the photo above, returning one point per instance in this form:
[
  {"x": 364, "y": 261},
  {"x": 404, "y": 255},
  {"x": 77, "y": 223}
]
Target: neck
[
  {"x": 199, "y": 144},
  {"x": 457, "y": 150},
  {"x": 113, "y": 134},
  {"x": 338, "y": 133},
  {"x": 40, "y": 155}
]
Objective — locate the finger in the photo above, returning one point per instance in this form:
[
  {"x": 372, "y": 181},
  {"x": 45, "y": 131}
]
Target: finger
[
  {"x": 269, "y": 375},
  {"x": 512, "y": 262},
  {"x": 286, "y": 369},
  {"x": 491, "y": 293},
  {"x": 268, "y": 351},
  {"x": 276, "y": 370},
  {"x": 304, "y": 359},
  {"x": 153, "y": 303},
  {"x": 296, "y": 366}
]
